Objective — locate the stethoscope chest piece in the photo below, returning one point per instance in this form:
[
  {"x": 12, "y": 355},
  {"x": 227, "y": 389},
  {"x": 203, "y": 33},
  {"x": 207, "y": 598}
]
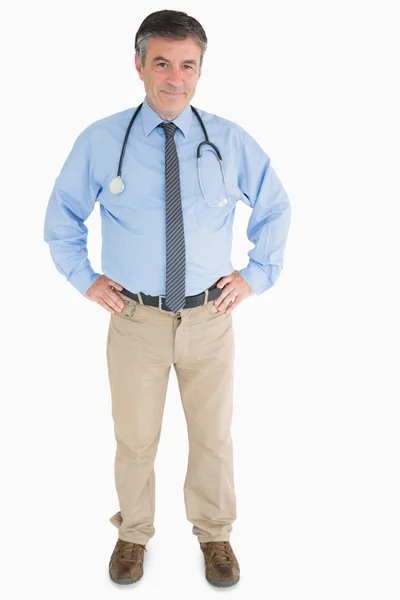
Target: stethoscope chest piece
[{"x": 116, "y": 185}]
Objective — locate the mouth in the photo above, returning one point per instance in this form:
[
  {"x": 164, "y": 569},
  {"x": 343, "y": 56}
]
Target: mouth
[{"x": 169, "y": 93}]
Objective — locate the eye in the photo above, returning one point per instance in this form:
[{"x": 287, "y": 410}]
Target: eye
[{"x": 189, "y": 67}]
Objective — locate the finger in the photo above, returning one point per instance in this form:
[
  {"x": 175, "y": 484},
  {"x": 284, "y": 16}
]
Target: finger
[
  {"x": 114, "y": 284},
  {"x": 218, "y": 301},
  {"x": 105, "y": 305},
  {"x": 106, "y": 298},
  {"x": 114, "y": 300},
  {"x": 227, "y": 300},
  {"x": 223, "y": 281},
  {"x": 232, "y": 307},
  {"x": 224, "y": 294}
]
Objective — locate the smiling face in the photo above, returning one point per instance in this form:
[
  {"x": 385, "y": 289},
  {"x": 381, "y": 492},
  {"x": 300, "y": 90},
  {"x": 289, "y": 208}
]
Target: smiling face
[{"x": 170, "y": 74}]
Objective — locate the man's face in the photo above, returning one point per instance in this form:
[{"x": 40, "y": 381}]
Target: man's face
[{"x": 170, "y": 74}]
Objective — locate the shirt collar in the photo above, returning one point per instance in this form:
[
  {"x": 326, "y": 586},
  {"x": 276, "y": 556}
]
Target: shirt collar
[{"x": 151, "y": 119}]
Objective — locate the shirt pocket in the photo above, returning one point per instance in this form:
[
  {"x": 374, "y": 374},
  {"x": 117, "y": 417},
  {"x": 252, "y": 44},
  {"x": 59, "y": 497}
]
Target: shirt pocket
[{"x": 216, "y": 203}]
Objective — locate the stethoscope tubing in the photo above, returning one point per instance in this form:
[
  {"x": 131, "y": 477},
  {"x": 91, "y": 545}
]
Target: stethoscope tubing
[
  {"x": 205, "y": 142},
  {"x": 121, "y": 158}
]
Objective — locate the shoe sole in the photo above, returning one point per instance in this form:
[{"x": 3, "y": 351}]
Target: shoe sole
[
  {"x": 124, "y": 581},
  {"x": 223, "y": 583}
]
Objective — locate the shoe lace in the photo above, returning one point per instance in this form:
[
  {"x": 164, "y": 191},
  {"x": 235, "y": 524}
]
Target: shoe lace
[
  {"x": 128, "y": 551},
  {"x": 221, "y": 553}
]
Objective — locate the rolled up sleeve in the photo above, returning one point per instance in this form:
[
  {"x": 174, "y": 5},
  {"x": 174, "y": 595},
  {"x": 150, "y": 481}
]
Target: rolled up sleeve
[
  {"x": 71, "y": 202},
  {"x": 269, "y": 221}
]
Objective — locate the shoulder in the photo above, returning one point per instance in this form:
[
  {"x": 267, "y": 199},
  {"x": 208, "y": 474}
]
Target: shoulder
[
  {"x": 214, "y": 119},
  {"x": 244, "y": 139},
  {"x": 108, "y": 123}
]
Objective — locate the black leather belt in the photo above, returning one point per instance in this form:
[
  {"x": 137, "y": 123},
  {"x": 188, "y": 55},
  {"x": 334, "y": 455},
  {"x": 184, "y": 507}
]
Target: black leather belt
[{"x": 190, "y": 301}]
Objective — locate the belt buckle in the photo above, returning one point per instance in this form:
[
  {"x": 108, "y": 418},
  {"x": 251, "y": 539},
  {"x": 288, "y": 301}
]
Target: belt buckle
[{"x": 160, "y": 302}]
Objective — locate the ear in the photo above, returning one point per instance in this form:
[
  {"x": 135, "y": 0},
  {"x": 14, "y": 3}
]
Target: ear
[{"x": 138, "y": 66}]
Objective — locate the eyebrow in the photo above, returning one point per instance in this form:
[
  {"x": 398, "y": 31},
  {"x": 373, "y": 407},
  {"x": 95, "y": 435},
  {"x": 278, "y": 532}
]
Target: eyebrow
[{"x": 190, "y": 61}]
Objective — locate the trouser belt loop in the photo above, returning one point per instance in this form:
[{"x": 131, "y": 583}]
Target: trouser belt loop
[
  {"x": 140, "y": 297},
  {"x": 205, "y": 297}
]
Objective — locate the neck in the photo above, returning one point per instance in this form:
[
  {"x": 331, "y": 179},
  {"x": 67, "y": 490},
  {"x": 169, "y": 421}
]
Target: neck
[{"x": 164, "y": 116}]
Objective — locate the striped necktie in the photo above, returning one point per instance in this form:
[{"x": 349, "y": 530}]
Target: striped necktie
[{"x": 175, "y": 283}]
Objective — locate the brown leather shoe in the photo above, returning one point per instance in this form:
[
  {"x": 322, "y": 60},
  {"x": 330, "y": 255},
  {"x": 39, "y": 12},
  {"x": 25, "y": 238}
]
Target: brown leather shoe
[
  {"x": 126, "y": 562},
  {"x": 222, "y": 567}
]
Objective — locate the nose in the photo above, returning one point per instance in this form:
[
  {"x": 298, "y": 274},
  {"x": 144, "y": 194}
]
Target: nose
[{"x": 175, "y": 76}]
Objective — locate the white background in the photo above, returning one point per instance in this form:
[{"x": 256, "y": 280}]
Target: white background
[{"x": 316, "y": 417}]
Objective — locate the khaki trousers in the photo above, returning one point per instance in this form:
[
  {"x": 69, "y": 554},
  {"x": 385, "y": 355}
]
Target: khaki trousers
[{"x": 142, "y": 344}]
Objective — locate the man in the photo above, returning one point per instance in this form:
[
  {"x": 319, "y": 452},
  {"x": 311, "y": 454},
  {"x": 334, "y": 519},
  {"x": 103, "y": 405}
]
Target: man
[{"x": 168, "y": 281}]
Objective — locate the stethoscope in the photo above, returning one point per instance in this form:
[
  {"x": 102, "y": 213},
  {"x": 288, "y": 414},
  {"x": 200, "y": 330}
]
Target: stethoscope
[{"x": 117, "y": 186}]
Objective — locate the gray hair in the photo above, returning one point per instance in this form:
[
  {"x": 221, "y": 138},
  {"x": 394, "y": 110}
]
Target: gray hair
[{"x": 170, "y": 24}]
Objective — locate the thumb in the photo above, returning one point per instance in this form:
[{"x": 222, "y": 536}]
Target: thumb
[{"x": 114, "y": 284}]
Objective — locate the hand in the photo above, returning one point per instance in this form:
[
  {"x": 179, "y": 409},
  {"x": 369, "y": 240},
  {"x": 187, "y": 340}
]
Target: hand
[
  {"x": 229, "y": 283},
  {"x": 101, "y": 292}
]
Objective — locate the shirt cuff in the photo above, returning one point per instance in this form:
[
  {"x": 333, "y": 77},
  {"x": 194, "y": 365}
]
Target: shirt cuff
[
  {"x": 257, "y": 277},
  {"x": 83, "y": 279}
]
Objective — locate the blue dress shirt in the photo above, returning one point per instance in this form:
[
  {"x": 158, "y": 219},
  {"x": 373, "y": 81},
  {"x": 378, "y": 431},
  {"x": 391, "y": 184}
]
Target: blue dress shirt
[{"x": 133, "y": 222}]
